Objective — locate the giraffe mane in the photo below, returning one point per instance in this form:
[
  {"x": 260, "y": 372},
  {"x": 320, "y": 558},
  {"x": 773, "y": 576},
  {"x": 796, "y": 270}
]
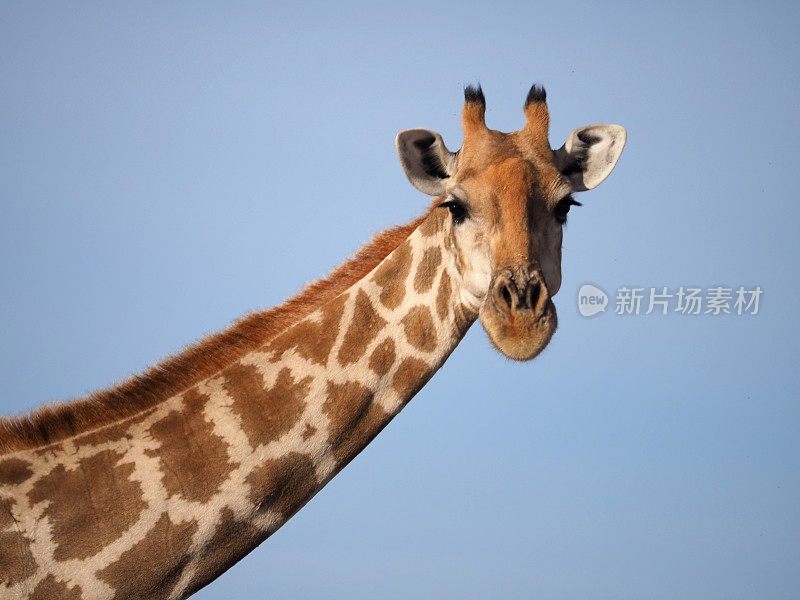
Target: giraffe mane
[{"x": 55, "y": 422}]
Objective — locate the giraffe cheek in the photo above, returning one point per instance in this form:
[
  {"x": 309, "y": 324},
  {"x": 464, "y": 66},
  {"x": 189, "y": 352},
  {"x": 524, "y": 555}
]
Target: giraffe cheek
[{"x": 551, "y": 265}]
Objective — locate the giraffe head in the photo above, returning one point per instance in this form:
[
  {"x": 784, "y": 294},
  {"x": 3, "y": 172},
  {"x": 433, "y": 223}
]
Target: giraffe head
[{"x": 509, "y": 195}]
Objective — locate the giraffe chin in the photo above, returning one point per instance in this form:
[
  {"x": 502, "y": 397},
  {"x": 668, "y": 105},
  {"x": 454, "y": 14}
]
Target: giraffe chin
[{"x": 520, "y": 335}]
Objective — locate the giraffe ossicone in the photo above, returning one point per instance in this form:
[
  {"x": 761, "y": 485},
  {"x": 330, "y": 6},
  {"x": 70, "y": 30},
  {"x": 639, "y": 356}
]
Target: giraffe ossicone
[{"x": 155, "y": 487}]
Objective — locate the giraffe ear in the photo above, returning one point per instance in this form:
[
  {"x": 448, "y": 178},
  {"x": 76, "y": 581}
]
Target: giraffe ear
[
  {"x": 426, "y": 160},
  {"x": 590, "y": 154}
]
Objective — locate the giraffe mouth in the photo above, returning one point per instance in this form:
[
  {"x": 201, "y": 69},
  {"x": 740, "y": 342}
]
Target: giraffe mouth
[
  {"x": 519, "y": 316},
  {"x": 520, "y": 337}
]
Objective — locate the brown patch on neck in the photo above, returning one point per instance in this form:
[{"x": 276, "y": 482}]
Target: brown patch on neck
[
  {"x": 364, "y": 327},
  {"x": 154, "y": 565},
  {"x": 53, "y": 423},
  {"x": 194, "y": 459},
  {"x": 49, "y": 588},
  {"x": 347, "y": 405},
  {"x": 283, "y": 484},
  {"x": 81, "y": 529},
  {"x": 14, "y": 471},
  {"x": 16, "y": 561},
  {"x": 443, "y": 296},
  {"x": 410, "y": 376},
  {"x": 420, "y": 329},
  {"x": 266, "y": 414},
  {"x": 232, "y": 541},
  {"x": 382, "y": 357},
  {"x": 391, "y": 276},
  {"x": 427, "y": 270}
]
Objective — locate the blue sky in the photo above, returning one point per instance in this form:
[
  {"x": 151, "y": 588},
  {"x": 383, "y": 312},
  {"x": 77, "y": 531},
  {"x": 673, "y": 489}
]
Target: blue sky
[{"x": 167, "y": 168}]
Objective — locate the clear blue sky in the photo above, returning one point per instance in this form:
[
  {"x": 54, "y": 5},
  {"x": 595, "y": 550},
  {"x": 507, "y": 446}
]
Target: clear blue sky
[{"x": 167, "y": 168}]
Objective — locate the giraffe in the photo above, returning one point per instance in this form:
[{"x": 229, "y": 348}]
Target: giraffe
[{"x": 153, "y": 488}]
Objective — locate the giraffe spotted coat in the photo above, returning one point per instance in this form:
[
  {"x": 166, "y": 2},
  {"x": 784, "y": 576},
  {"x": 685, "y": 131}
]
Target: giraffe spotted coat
[{"x": 160, "y": 503}]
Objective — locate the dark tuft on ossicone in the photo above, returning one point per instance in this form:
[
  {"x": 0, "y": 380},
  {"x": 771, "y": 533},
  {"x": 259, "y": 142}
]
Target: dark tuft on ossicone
[
  {"x": 474, "y": 94},
  {"x": 536, "y": 94}
]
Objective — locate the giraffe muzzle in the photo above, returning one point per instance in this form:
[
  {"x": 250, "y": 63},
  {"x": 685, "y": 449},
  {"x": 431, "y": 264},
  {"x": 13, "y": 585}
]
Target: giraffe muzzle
[
  {"x": 519, "y": 315},
  {"x": 521, "y": 290}
]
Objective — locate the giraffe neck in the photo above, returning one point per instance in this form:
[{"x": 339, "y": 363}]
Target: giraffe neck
[{"x": 162, "y": 503}]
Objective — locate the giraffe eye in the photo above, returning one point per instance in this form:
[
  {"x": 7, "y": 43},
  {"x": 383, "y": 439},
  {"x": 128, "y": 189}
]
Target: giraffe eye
[
  {"x": 457, "y": 209},
  {"x": 562, "y": 208}
]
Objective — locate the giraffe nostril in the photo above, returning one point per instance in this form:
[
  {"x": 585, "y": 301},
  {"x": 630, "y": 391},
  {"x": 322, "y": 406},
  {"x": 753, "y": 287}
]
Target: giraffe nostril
[
  {"x": 506, "y": 293},
  {"x": 534, "y": 289}
]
